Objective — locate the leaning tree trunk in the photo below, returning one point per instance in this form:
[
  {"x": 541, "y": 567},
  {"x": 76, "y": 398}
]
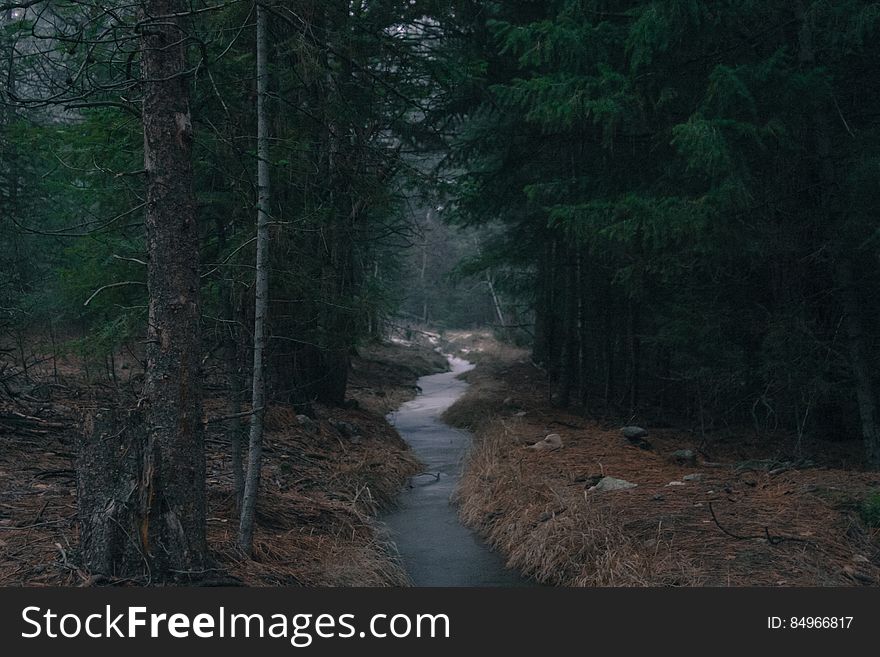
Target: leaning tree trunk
[{"x": 261, "y": 304}]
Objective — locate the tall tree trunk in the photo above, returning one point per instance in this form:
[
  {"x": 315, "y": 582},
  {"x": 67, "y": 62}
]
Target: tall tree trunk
[
  {"x": 568, "y": 359},
  {"x": 608, "y": 344},
  {"x": 859, "y": 348},
  {"x": 635, "y": 357},
  {"x": 233, "y": 371},
  {"x": 496, "y": 301},
  {"x": 172, "y": 490},
  {"x": 261, "y": 303},
  {"x": 584, "y": 366},
  {"x": 422, "y": 281},
  {"x": 866, "y": 394},
  {"x": 539, "y": 341},
  {"x": 337, "y": 321}
]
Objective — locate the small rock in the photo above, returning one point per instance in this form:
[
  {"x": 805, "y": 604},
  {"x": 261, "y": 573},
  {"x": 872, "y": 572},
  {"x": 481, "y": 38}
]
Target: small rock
[
  {"x": 551, "y": 442},
  {"x": 658, "y": 498},
  {"x": 347, "y": 429},
  {"x": 696, "y": 476},
  {"x": 684, "y": 457},
  {"x": 633, "y": 432},
  {"x": 857, "y": 575},
  {"x": 356, "y": 440},
  {"x": 860, "y": 558},
  {"x": 612, "y": 483},
  {"x": 520, "y": 414},
  {"x": 308, "y": 424},
  {"x": 675, "y": 483},
  {"x": 508, "y": 402}
]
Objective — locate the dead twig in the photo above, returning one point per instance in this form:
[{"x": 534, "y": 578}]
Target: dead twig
[
  {"x": 224, "y": 418},
  {"x": 772, "y": 540}
]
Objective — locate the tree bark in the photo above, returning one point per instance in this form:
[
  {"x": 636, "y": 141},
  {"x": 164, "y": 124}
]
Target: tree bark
[
  {"x": 172, "y": 486},
  {"x": 110, "y": 458},
  {"x": 864, "y": 381},
  {"x": 568, "y": 359},
  {"x": 261, "y": 303},
  {"x": 540, "y": 343},
  {"x": 230, "y": 342}
]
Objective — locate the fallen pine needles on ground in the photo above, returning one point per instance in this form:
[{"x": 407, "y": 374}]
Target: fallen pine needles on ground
[
  {"x": 722, "y": 523},
  {"x": 323, "y": 483}
]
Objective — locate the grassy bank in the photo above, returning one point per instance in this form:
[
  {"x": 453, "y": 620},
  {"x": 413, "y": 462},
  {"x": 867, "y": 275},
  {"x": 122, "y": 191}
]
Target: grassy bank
[
  {"x": 722, "y": 521},
  {"x": 324, "y": 480}
]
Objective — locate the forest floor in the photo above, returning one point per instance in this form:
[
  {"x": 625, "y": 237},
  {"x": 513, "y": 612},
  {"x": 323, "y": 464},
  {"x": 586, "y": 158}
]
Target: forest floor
[
  {"x": 745, "y": 512},
  {"x": 324, "y": 481}
]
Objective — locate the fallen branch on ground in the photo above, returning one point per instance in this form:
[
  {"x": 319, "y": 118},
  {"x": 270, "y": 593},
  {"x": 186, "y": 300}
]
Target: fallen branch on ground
[{"x": 773, "y": 540}]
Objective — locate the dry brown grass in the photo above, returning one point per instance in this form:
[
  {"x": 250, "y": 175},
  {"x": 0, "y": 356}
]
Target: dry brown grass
[
  {"x": 481, "y": 346},
  {"x": 555, "y": 532},
  {"x": 384, "y": 375},
  {"x": 316, "y": 516},
  {"x": 474, "y": 410},
  {"x": 536, "y": 509},
  {"x": 320, "y": 493}
]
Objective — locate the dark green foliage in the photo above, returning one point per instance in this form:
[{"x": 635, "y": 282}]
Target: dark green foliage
[
  {"x": 348, "y": 88},
  {"x": 681, "y": 182},
  {"x": 870, "y": 510},
  {"x": 675, "y": 201}
]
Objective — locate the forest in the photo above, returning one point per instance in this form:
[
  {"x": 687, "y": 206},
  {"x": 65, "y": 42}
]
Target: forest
[{"x": 218, "y": 217}]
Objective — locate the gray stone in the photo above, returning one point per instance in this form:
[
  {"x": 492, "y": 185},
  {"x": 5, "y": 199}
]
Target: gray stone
[
  {"x": 551, "y": 442},
  {"x": 612, "y": 483},
  {"x": 633, "y": 432},
  {"x": 347, "y": 429},
  {"x": 684, "y": 457},
  {"x": 308, "y": 424},
  {"x": 696, "y": 476}
]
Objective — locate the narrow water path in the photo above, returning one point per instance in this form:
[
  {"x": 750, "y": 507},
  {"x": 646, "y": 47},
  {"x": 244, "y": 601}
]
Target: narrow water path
[{"x": 436, "y": 549}]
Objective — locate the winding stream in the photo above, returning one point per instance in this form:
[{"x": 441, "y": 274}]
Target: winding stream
[{"x": 436, "y": 549}]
